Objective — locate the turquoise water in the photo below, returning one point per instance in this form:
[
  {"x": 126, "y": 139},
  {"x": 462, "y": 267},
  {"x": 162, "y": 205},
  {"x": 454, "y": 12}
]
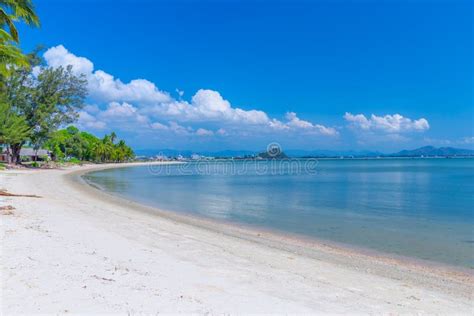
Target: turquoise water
[{"x": 421, "y": 208}]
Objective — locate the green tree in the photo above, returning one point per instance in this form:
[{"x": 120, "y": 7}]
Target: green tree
[
  {"x": 113, "y": 137},
  {"x": 100, "y": 151},
  {"x": 49, "y": 99},
  {"x": 91, "y": 142},
  {"x": 13, "y": 128},
  {"x": 72, "y": 143},
  {"x": 123, "y": 152}
]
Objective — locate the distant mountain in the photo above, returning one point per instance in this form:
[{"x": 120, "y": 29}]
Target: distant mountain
[
  {"x": 430, "y": 151},
  {"x": 427, "y": 151}
]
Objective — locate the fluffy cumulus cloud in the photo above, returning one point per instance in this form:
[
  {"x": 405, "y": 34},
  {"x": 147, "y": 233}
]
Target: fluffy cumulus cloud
[
  {"x": 122, "y": 111},
  {"x": 89, "y": 121},
  {"x": 103, "y": 86},
  {"x": 173, "y": 127},
  {"x": 390, "y": 124},
  {"x": 140, "y": 103},
  {"x": 207, "y": 106},
  {"x": 140, "y": 106},
  {"x": 59, "y": 56},
  {"x": 297, "y": 123},
  {"x": 121, "y": 115}
]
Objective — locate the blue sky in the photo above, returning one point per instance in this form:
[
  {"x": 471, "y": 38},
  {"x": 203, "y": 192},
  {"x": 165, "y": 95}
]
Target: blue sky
[{"x": 378, "y": 75}]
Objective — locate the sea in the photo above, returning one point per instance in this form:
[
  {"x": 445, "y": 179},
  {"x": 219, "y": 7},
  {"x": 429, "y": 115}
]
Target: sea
[{"x": 416, "y": 208}]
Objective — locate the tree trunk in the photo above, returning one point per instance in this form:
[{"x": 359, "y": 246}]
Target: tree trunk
[
  {"x": 8, "y": 155},
  {"x": 16, "y": 148}
]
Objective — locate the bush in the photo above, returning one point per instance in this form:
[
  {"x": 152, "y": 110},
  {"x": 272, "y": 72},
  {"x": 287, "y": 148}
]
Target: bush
[{"x": 74, "y": 161}]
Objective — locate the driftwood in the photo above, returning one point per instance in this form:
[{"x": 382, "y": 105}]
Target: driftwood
[
  {"x": 6, "y": 210},
  {"x": 5, "y": 193}
]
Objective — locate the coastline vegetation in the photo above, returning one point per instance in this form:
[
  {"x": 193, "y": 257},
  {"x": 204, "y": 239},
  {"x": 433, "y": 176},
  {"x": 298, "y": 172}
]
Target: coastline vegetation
[
  {"x": 36, "y": 101},
  {"x": 73, "y": 145}
]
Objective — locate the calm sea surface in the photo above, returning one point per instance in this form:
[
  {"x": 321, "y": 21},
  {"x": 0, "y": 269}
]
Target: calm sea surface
[{"x": 422, "y": 208}]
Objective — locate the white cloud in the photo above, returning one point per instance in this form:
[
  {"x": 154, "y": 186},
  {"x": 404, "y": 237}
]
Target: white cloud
[
  {"x": 91, "y": 108},
  {"x": 208, "y": 106},
  {"x": 88, "y": 121},
  {"x": 394, "y": 124},
  {"x": 60, "y": 56},
  {"x": 172, "y": 127},
  {"x": 297, "y": 123},
  {"x": 179, "y": 129},
  {"x": 294, "y": 121},
  {"x": 358, "y": 120},
  {"x": 102, "y": 86},
  {"x": 204, "y": 132},
  {"x": 123, "y": 110},
  {"x": 159, "y": 126},
  {"x": 141, "y": 102},
  {"x": 121, "y": 115}
]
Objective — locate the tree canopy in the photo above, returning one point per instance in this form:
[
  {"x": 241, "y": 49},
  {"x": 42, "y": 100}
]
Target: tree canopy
[
  {"x": 72, "y": 143},
  {"x": 47, "y": 98},
  {"x": 13, "y": 127}
]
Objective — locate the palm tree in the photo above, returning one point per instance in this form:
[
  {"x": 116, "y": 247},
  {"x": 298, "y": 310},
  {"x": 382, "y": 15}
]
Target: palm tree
[
  {"x": 120, "y": 151},
  {"x": 12, "y": 11},
  {"x": 100, "y": 151},
  {"x": 113, "y": 137}
]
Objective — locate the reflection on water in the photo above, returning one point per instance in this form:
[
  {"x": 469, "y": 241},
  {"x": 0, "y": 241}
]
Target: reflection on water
[{"x": 421, "y": 208}]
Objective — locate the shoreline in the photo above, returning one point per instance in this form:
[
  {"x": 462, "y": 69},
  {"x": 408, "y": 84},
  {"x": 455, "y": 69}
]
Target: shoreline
[
  {"x": 289, "y": 242},
  {"x": 78, "y": 249}
]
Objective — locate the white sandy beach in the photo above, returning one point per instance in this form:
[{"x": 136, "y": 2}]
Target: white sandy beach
[{"x": 77, "y": 250}]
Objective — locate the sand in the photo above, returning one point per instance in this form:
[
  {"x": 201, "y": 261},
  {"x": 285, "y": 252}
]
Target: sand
[{"x": 77, "y": 250}]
